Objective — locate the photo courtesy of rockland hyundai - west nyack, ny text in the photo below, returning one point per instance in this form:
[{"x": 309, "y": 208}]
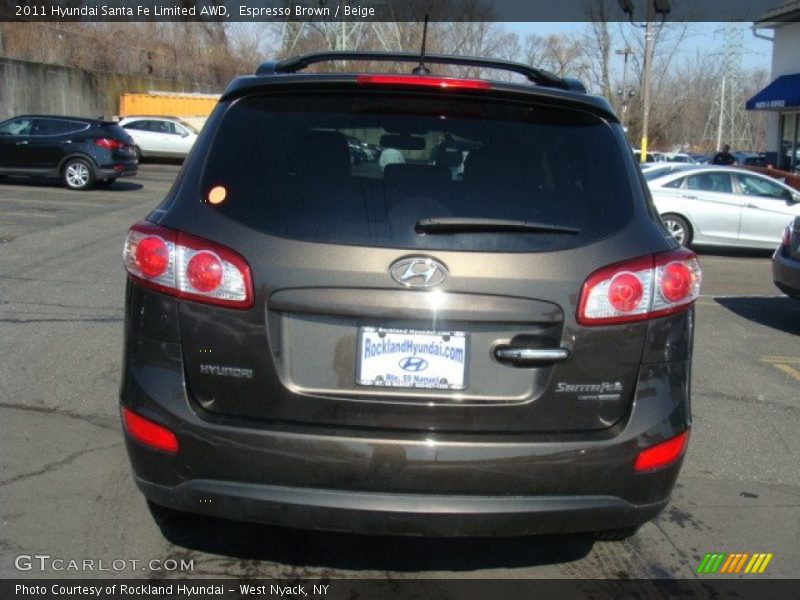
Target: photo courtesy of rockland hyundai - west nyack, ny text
[{"x": 399, "y": 299}]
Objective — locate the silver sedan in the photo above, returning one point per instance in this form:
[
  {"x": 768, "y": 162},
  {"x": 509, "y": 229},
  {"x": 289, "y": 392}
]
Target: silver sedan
[{"x": 724, "y": 206}]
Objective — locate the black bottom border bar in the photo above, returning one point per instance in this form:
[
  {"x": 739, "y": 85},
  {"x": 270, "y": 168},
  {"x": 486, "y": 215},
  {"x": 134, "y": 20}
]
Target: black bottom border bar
[{"x": 365, "y": 589}]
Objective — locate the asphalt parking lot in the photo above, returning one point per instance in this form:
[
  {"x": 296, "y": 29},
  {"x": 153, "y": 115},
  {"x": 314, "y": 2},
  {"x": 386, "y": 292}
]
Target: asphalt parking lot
[{"x": 66, "y": 489}]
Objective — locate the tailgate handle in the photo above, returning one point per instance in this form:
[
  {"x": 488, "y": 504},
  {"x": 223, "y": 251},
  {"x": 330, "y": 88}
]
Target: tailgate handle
[{"x": 521, "y": 355}]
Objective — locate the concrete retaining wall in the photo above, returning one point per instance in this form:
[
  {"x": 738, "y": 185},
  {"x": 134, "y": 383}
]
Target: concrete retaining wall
[{"x": 36, "y": 88}]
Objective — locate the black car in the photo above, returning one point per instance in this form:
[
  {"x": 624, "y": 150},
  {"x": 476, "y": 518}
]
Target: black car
[
  {"x": 81, "y": 152},
  {"x": 786, "y": 261},
  {"x": 504, "y": 351}
]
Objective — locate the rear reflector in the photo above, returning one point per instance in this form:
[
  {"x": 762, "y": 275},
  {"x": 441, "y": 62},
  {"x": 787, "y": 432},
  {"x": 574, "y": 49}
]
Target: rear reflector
[
  {"x": 640, "y": 289},
  {"x": 444, "y": 83},
  {"x": 661, "y": 455},
  {"x": 186, "y": 266},
  {"x": 148, "y": 433}
]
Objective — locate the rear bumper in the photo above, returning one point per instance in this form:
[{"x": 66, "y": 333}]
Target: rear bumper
[
  {"x": 390, "y": 482},
  {"x": 125, "y": 170},
  {"x": 786, "y": 273},
  {"x": 401, "y": 514}
]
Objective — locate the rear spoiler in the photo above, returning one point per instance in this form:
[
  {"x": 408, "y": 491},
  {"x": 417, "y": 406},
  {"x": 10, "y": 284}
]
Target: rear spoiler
[{"x": 538, "y": 76}]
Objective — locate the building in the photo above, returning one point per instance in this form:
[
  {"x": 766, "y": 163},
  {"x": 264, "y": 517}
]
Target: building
[{"x": 781, "y": 98}]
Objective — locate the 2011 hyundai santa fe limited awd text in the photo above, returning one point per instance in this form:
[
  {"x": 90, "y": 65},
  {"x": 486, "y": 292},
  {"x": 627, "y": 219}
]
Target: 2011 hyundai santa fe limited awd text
[{"x": 487, "y": 331}]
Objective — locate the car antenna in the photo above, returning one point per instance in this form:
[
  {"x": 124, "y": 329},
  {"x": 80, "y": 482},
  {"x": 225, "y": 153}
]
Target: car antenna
[{"x": 421, "y": 69}]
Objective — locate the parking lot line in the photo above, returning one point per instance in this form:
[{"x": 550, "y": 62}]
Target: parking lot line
[
  {"x": 781, "y": 359},
  {"x": 784, "y": 364},
  {"x": 24, "y": 213}
]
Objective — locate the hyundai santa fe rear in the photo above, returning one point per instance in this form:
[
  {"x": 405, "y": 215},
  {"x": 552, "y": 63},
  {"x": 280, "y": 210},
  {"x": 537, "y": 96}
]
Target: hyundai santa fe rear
[{"x": 485, "y": 332}]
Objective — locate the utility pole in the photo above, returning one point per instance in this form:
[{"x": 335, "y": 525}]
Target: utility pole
[
  {"x": 648, "y": 65},
  {"x": 624, "y": 93},
  {"x": 721, "y": 116},
  {"x": 661, "y": 7}
]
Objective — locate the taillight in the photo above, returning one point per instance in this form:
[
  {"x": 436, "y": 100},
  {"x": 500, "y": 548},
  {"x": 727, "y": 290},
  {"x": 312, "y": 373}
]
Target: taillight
[
  {"x": 186, "y": 266},
  {"x": 639, "y": 289},
  {"x": 424, "y": 81},
  {"x": 205, "y": 272},
  {"x": 148, "y": 433},
  {"x": 109, "y": 143},
  {"x": 661, "y": 455},
  {"x": 787, "y": 236}
]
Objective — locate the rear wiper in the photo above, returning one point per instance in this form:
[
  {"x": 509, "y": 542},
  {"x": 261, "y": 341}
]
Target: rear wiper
[{"x": 477, "y": 225}]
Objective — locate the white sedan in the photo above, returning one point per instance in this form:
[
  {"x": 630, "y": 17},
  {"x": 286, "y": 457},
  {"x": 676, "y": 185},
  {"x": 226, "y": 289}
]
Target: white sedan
[
  {"x": 724, "y": 206},
  {"x": 160, "y": 137}
]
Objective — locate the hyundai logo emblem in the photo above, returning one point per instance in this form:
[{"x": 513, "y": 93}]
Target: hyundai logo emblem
[
  {"x": 413, "y": 363},
  {"x": 418, "y": 272}
]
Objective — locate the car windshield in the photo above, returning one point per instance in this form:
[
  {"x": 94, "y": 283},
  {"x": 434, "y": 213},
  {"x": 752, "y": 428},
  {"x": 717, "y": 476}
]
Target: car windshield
[{"x": 289, "y": 170}]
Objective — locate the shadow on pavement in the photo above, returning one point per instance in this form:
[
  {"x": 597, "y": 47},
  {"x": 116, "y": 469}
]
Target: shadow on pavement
[
  {"x": 251, "y": 541},
  {"x": 120, "y": 185},
  {"x": 779, "y": 312}
]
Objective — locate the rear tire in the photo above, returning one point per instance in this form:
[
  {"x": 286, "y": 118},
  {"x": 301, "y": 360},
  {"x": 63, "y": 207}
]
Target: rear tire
[
  {"x": 77, "y": 174},
  {"x": 615, "y": 535},
  {"x": 678, "y": 228}
]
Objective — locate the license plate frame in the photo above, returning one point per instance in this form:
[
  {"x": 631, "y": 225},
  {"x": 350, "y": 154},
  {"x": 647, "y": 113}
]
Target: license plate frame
[{"x": 428, "y": 343}]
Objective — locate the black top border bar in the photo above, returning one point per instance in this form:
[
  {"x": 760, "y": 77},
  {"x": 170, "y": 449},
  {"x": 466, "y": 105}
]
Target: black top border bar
[{"x": 763, "y": 12}]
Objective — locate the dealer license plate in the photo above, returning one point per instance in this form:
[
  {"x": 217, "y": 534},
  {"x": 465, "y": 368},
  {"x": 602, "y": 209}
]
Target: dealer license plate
[{"x": 407, "y": 358}]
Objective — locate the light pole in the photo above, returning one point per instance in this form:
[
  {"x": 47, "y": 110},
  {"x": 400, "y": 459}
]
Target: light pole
[
  {"x": 661, "y": 7},
  {"x": 624, "y": 93}
]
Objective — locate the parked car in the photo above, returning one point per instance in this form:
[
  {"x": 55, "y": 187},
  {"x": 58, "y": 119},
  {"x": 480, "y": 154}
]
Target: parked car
[
  {"x": 81, "y": 152},
  {"x": 679, "y": 157},
  {"x": 786, "y": 261},
  {"x": 656, "y": 170},
  {"x": 652, "y": 156},
  {"x": 724, "y": 206},
  {"x": 750, "y": 159},
  {"x": 160, "y": 137},
  {"x": 394, "y": 351},
  {"x": 699, "y": 157}
]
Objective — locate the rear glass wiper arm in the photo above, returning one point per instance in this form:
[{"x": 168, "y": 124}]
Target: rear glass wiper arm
[{"x": 477, "y": 225}]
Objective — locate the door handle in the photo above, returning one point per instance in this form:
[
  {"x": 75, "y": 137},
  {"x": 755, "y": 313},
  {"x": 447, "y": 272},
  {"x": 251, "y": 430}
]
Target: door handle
[
  {"x": 523, "y": 356},
  {"x": 689, "y": 197},
  {"x": 750, "y": 205},
  {"x": 23, "y": 143}
]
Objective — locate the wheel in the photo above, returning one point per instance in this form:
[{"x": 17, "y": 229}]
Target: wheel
[
  {"x": 138, "y": 152},
  {"x": 678, "y": 228},
  {"x": 615, "y": 535},
  {"x": 77, "y": 174},
  {"x": 102, "y": 183}
]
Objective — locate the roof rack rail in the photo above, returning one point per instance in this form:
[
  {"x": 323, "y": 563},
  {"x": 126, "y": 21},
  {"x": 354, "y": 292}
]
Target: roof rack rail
[{"x": 538, "y": 76}]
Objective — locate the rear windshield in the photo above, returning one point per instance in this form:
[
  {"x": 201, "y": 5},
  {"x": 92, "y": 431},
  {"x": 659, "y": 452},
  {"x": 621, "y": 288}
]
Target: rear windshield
[
  {"x": 116, "y": 131},
  {"x": 365, "y": 169}
]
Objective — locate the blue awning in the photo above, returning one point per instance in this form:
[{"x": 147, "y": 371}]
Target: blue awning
[{"x": 782, "y": 93}]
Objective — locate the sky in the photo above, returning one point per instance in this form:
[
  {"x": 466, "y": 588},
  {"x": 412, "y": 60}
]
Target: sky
[{"x": 706, "y": 37}]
